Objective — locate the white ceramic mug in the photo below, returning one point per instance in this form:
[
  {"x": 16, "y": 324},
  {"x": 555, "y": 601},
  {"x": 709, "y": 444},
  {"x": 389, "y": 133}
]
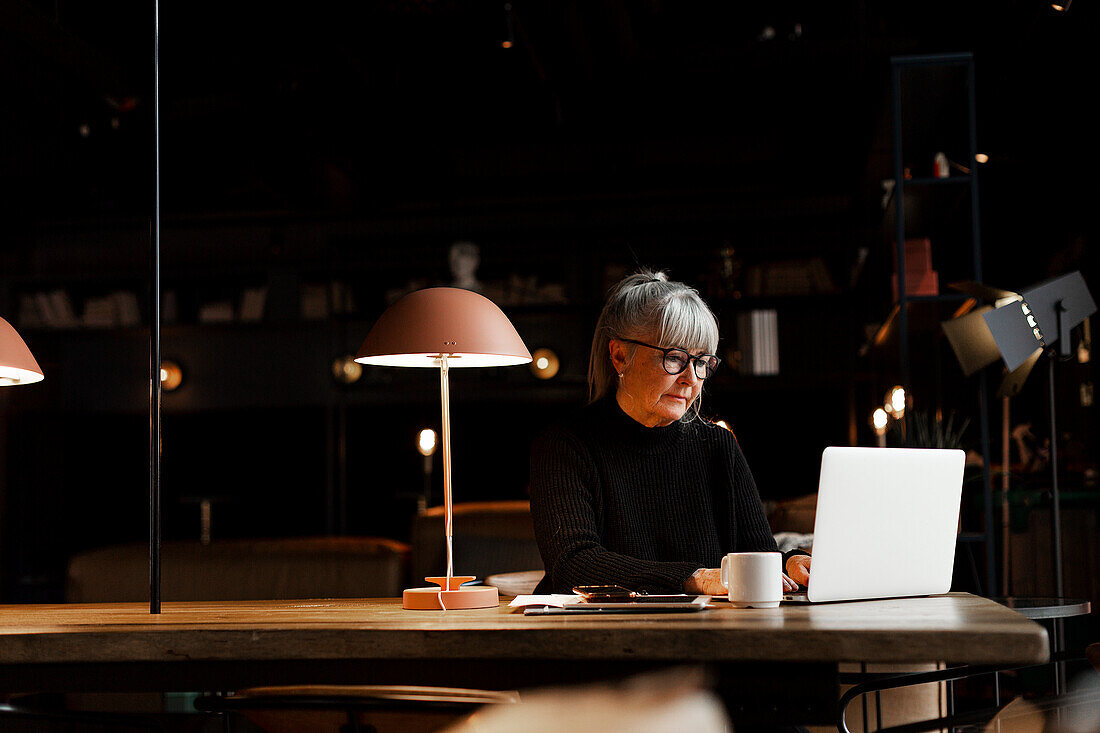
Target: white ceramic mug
[{"x": 753, "y": 579}]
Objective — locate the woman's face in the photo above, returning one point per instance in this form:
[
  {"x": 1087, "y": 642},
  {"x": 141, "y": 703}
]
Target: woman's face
[{"x": 647, "y": 392}]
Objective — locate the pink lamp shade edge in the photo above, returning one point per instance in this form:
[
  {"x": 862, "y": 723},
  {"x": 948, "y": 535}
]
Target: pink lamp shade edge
[
  {"x": 419, "y": 327},
  {"x": 17, "y": 364}
]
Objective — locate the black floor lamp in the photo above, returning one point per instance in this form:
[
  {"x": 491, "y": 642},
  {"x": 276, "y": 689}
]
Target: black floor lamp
[{"x": 1017, "y": 328}]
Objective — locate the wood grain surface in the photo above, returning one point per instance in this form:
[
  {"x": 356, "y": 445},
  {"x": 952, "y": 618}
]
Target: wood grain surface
[{"x": 951, "y": 628}]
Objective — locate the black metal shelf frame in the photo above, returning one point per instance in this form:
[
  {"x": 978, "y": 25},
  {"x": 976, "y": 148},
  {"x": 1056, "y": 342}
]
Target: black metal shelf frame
[{"x": 898, "y": 65}]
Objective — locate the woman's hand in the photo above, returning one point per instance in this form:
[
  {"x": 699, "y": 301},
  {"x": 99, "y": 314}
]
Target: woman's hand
[
  {"x": 798, "y": 568},
  {"x": 708, "y": 582},
  {"x": 705, "y": 582}
]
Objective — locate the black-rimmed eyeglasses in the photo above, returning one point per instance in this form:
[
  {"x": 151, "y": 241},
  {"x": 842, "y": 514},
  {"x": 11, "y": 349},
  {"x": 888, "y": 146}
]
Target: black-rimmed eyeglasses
[{"x": 677, "y": 360}]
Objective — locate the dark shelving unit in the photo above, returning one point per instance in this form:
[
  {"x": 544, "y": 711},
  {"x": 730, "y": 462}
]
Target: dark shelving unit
[{"x": 899, "y": 66}]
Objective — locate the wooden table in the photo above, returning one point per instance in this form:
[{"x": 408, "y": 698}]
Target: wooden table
[{"x": 227, "y": 645}]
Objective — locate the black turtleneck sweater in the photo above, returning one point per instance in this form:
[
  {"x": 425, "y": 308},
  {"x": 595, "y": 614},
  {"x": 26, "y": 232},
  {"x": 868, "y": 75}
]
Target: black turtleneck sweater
[{"x": 617, "y": 503}]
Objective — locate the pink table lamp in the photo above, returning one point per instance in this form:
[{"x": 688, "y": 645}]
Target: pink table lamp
[
  {"x": 445, "y": 328},
  {"x": 17, "y": 365}
]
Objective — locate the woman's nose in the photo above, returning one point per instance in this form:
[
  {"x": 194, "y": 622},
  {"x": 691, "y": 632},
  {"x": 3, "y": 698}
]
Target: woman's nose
[{"x": 688, "y": 376}]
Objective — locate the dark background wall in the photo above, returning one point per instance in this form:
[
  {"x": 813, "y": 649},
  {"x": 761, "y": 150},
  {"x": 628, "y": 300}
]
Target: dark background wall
[{"x": 356, "y": 142}]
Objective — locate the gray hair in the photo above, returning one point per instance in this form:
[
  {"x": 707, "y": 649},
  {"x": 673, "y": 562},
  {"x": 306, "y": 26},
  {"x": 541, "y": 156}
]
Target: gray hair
[{"x": 637, "y": 307}]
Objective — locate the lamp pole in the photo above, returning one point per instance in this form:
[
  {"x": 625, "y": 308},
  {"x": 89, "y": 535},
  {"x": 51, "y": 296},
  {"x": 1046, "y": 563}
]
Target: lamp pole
[
  {"x": 1055, "y": 501},
  {"x": 445, "y": 391},
  {"x": 154, "y": 339}
]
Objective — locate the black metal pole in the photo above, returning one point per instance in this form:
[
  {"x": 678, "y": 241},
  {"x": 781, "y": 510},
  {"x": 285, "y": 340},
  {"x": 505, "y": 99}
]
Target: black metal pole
[
  {"x": 976, "y": 237},
  {"x": 1055, "y": 501},
  {"x": 154, "y": 339},
  {"x": 899, "y": 248},
  {"x": 987, "y": 486}
]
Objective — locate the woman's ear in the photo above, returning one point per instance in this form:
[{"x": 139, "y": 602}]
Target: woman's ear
[{"x": 619, "y": 358}]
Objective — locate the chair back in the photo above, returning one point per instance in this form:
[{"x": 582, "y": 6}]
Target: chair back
[
  {"x": 242, "y": 570},
  {"x": 490, "y": 537}
]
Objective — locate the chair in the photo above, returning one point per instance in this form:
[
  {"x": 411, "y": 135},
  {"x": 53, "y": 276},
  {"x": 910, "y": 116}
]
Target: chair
[
  {"x": 519, "y": 583},
  {"x": 243, "y": 569},
  {"x": 794, "y": 515},
  {"x": 490, "y": 537},
  {"x": 376, "y": 708},
  {"x": 675, "y": 699}
]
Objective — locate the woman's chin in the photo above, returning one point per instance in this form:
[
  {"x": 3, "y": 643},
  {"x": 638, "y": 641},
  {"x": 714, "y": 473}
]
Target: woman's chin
[{"x": 673, "y": 409}]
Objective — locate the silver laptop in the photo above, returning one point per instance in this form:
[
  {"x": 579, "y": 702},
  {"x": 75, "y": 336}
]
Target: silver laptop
[{"x": 887, "y": 520}]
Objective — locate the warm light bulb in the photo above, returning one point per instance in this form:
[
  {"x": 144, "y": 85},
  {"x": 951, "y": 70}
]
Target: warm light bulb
[
  {"x": 897, "y": 399},
  {"x": 879, "y": 419},
  {"x": 544, "y": 363},
  {"x": 895, "y": 402},
  {"x": 346, "y": 370},
  {"x": 171, "y": 376},
  {"x": 981, "y": 158},
  {"x": 425, "y": 442}
]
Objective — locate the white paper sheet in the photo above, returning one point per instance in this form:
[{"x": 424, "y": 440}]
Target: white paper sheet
[{"x": 557, "y": 600}]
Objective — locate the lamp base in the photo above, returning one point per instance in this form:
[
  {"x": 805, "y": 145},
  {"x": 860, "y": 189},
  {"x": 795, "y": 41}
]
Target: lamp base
[
  {"x": 427, "y": 599},
  {"x": 452, "y": 595}
]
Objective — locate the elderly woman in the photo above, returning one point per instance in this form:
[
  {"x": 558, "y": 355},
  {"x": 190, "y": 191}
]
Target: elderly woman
[{"x": 637, "y": 489}]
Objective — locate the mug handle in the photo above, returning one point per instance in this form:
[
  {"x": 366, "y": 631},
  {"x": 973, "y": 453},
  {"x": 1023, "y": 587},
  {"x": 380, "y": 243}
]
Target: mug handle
[{"x": 725, "y": 571}]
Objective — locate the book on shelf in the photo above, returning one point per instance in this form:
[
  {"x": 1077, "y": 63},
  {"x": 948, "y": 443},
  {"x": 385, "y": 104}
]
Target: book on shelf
[
  {"x": 62, "y": 309},
  {"x": 252, "y": 304},
  {"x": 100, "y": 312},
  {"x": 51, "y": 309},
  {"x": 217, "y": 312},
  {"x": 126, "y": 305},
  {"x": 758, "y": 340}
]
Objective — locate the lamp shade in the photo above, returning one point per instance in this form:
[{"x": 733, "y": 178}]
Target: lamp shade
[
  {"x": 469, "y": 328},
  {"x": 17, "y": 365},
  {"x": 1059, "y": 304},
  {"x": 1016, "y": 327},
  {"x": 971, "y": 340}
]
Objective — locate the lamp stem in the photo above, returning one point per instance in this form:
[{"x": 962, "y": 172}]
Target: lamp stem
[
  {"x": 444, "y": 390},
  {"x": 1055, "y": 501}
]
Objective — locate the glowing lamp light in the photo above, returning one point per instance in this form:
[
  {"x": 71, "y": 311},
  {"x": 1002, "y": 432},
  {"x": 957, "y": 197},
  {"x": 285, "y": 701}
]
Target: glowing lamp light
[
  {"x": 981, "y": 158},
  {"x": 346, "y": 370},
  {"x": 425, "y": 442},
  {"x": 723, "y": 424},
  {"x": 171, "y": 376},
  {"x": 879, "y": 419},
  {"x": 544, "y": 363},
  {"x": 895, "y": 402}
]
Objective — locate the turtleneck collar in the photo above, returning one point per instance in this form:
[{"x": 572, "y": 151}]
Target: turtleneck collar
[{"x": 633, "y": 433}]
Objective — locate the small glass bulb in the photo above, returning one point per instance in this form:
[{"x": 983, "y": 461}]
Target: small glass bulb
[{"x": 425, "y": 442}]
